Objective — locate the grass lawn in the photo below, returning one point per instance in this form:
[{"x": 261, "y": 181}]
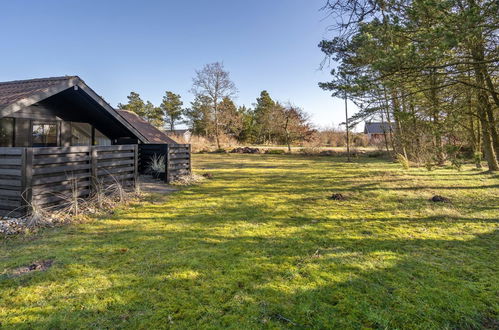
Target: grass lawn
[{"x": 261, "y": 246}]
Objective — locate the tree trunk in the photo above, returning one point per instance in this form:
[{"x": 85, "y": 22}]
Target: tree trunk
[
  {"x": 490, "y": 138},
  {"x": 388, "y": 119},
  {"x": 384, "y": 133},
  {"x": 437, "y": 127},
  {"x": 491, "y": 88},
  {"x": 217, "y": 134},
  {"x": 474, "y": 133},
  {"x": 287, "y": 134},
  {"x": 483, "y": 109},
  {"x": 396, "y": 114}
]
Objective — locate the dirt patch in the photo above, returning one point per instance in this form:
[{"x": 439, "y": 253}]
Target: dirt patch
[
  {"x": 245, "y": 150},
  {"x": 208, "y": 175},
  {"x": 37, "y": 266},
  {"x": 337, "y": 197},
  {"x": 439, "y": 199},
  {"x": 150, "y": 185}
]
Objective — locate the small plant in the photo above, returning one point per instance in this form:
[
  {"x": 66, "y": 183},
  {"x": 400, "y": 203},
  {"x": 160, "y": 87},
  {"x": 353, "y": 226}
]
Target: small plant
[
  {"x": 37, "y": 216},
  {"x": 478, "y": 159},
  {"x": 157, "y": 164},
  {"x": 429, "y": 166},
  {"x": 457, "y": 163},
  {"x": 402, "y": 160},
  {"x": 453, "y": 153}
]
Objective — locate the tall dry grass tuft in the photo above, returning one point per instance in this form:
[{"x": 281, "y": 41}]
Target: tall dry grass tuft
[
  {"x": 402, "y": 160},
  {"x": 157, "y": 164},
  {"x": 206, "y": 144}
]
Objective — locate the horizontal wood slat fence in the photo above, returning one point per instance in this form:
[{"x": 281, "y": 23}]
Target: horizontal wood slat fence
[
  {"x": 49, "y": 176},
  {"x": 177, "y": 159}
]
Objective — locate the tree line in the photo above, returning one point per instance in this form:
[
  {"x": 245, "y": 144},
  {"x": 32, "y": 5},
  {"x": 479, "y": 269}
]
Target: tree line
[
  {"x": 427, "y": 68},
  {"x": 214, "y": 114}
]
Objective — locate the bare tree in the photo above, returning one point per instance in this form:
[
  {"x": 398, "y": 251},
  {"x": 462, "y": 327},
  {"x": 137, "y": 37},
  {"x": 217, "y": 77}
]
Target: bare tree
[
  {"x": 294, "y": 124},
  {"x": 213, "y": 82}
]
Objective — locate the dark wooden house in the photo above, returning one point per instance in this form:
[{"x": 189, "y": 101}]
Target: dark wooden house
[
  {"x": 63, "y": 112},
  {"x": 57, "y": 133}
]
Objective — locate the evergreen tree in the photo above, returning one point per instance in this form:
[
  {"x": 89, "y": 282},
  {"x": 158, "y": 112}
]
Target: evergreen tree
[
  {"x": 172, "y": 109},
  {"x": 135, "y": 104},
  {"x": 426, "y": 68},
  {"x": 146, "y": 110},
  {"x": 154, "y": 115},
  {"x": 230, "y": 119},
  {"x": 198, "y": 116},
  {"x": 264, "y": 109}
]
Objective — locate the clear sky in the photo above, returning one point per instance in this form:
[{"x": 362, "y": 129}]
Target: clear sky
[{"x": 153, "y": 46}]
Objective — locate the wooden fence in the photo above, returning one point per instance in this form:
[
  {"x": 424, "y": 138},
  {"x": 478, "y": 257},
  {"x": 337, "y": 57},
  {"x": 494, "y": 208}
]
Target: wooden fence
[
  {"x": 49, "y": 176},
  {"x": 177, "y": 159},
  {"x": 11, "y": 180}
]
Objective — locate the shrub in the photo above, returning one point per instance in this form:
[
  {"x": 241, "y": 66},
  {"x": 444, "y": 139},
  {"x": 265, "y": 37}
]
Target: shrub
[{"x": 402, "y": 160}]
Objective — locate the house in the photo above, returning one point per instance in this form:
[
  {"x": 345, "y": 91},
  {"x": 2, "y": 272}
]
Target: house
[
  {"x": 180, "y": 134},
  {"x": 63, "y": 112},
  {"x": 376, "y": 131},
  {"x": 59, "y": 138}
]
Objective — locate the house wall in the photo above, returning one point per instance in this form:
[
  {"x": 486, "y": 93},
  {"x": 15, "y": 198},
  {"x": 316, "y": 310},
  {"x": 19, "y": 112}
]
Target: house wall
[{"x": 24, "y": 119}]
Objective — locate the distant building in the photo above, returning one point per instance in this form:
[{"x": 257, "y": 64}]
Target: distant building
[
  {"x": 180, "y": 134},
  {"x": 376, "y": 131}
]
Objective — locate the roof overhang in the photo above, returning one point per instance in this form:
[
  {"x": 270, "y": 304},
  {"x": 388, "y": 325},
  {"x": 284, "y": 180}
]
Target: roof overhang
[{"x": 71, "y": 82}]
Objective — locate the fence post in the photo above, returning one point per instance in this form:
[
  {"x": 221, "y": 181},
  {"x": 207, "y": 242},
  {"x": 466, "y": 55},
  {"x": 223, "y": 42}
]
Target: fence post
[
  {"x": 94, "y": 157},
  {"x": 167, "y": 164},
  {"x": 190, "y": 159},
  {"x": 27, "y": 179},
  {"x": 136, "y": 165}
]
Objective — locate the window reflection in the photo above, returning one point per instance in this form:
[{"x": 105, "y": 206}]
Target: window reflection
[
  {"x": 44, "y": 135},
  {"x": 6, "y": 132}
]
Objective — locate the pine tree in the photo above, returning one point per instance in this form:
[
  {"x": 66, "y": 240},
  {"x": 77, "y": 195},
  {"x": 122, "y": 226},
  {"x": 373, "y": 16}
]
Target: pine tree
[
  {"x": 263, "y": 112},
  {"x": 146, "y": 110},
  {"x": 172, "y": 109}
]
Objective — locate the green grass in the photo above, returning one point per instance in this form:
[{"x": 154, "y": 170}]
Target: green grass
[{"x": 261, "y": 246}]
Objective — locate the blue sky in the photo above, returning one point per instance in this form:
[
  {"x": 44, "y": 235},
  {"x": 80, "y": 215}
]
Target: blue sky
[{"x": 153, "y": 46}]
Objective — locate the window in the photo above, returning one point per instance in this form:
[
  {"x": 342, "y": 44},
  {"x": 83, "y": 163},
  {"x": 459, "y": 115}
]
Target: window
[
  {"x": 44, "y": 134},
  {"x": 6, "y": 132},
  {"x": 81, "y": 134},
  {"x": 101, "y": 139}
]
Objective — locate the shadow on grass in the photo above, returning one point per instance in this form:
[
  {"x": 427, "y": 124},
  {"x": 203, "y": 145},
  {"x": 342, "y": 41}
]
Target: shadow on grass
[
  {"x": 195, "y": 278},
  {"x": 243, "y": 251}
]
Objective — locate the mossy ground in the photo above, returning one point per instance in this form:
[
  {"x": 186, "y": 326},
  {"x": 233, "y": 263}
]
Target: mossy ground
[{"x": 261, "y": 246}]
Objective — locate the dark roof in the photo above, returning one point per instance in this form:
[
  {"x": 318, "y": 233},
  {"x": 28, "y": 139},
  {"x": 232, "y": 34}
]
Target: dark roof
[
  {"x": 377, "y": 128},
  {"x": 14, "y": 91},
  {"x": 151, "y": 133},
  {"x": 15, "y": 95}
]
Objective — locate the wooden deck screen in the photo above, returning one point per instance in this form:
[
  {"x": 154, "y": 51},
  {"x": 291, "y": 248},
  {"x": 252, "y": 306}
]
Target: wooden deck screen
[
  {"x": 46, "y": 176},
  {"x": 177, "y": 159}
]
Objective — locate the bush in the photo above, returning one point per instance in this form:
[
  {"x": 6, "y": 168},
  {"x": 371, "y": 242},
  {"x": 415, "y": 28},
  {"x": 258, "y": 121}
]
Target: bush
[
  {"x": 377, "y": 154},
  {"x": 275, "y": 151}
]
